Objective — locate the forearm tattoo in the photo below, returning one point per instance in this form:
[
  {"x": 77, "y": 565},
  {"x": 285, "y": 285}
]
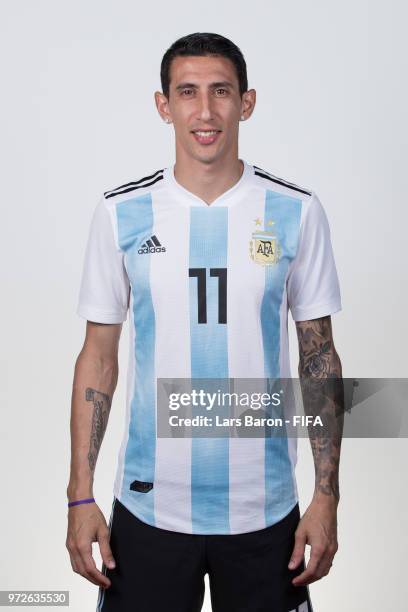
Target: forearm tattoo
[
  {"x": 323, "y": 395},
  {"x": 101, "y": 407}
]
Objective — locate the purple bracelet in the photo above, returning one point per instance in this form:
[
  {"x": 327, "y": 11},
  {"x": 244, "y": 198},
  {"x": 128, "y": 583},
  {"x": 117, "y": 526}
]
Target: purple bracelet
[{"x": 81, "y": 501}]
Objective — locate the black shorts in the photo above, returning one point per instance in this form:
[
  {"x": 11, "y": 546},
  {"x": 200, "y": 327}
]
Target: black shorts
[{"x": 163, "y": 571}]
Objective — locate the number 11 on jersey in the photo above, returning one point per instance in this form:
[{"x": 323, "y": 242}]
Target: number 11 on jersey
[{"x": 201, "y": 275}]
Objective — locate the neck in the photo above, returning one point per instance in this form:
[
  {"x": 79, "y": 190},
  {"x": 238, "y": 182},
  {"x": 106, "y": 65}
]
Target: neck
[{"x": 207, "y": 180}]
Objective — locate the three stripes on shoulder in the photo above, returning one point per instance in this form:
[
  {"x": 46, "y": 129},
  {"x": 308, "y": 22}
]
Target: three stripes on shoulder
[
  {"x": 275, "y": 179},
  {"x": 146, "y": 181}
]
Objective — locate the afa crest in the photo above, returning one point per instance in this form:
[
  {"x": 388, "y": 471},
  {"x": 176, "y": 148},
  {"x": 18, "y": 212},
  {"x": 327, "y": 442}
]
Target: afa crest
[{"x": 264, "y": 247}]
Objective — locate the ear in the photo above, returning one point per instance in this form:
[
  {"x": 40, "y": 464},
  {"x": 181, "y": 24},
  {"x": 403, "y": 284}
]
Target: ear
[
  {"x": 162, "y": 105},
  {"x": 248, "y": 103}
]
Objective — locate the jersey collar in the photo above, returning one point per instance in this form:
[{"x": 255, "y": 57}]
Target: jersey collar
[{"x": 225, "y": 199}]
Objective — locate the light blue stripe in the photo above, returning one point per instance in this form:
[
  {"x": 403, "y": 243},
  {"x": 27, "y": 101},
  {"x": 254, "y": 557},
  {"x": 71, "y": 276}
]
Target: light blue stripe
[
  {"x": 285, "y": 211},
  {"x": 135, "y": 224},
  {"x": 209, "y": 359}
]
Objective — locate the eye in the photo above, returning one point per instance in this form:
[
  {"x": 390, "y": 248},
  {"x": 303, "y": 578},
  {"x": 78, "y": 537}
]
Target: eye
[
  {"x": 222, "y": 90},
  {"x": 186, "y": 91}
]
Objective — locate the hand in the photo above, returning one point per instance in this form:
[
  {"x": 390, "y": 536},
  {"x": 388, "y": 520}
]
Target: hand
[
  {"x": 318, "y": 528},
  {"x": 86, "y": 524}
]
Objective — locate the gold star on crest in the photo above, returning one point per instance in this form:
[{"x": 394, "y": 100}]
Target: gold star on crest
[{"x": 258, "y": 221}]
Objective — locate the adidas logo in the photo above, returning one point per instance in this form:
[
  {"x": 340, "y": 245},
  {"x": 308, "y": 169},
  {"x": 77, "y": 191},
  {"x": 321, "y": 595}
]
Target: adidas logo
[{"x": 151, "y": 246}]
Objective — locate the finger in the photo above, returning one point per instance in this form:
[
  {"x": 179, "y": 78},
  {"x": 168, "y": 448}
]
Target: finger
[
  {"x": 310, "y": 573},
  {"x": 73, "y": 564},
  {"x": 88, "y": 563},
  {"x": 105, "y": 549},
  {"x": 72, "y": 558},
  {"x": 325, "y": 564},
  {"x": 298, "y": 550},
  {"x": 326, "y": 560},
  {"x": 96, "y": 577},
  {"x": 80, "y": 568}
]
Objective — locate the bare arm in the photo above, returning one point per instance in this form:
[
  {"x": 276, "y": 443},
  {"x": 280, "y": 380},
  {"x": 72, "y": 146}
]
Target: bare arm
[
  {"x": 320, "y": 375},
  {"x": 95, "y": 379}
]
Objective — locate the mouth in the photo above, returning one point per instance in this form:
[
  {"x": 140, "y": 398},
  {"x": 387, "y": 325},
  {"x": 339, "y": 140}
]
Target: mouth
[{"x": 206, "y": 137}]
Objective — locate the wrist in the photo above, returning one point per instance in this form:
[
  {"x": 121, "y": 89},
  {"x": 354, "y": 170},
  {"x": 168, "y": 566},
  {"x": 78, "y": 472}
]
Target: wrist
[
  {"x": 326, "y": 499},
  {"x": 77, "y": 491},
  {"x": 79, "y": 502}
]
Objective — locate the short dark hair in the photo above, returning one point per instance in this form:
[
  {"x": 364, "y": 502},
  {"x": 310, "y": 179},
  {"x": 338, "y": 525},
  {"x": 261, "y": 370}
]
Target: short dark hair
[{"x": 202, "y": 44}]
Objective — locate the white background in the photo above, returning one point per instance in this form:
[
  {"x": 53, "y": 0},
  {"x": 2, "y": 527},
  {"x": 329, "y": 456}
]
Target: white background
[{"x": 78, "y": 117}]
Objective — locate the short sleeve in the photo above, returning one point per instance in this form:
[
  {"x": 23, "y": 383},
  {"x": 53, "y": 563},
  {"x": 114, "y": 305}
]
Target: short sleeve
[
  {"x": 104, "y": 287},
  {"x": 312, "y": 284}
]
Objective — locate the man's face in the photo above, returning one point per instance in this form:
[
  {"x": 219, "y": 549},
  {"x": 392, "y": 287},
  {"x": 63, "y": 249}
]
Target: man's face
[{"x": 205, "y": 106}]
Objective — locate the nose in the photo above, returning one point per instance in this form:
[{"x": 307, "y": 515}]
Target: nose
[{"x": 205, "y": 110}]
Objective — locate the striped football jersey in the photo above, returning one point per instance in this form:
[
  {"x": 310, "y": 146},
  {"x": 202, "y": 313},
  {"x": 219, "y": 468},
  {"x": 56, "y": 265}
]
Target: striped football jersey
[{"x": 206, "y": 290}]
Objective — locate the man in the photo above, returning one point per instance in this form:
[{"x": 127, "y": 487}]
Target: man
[{"x": 206, "y": 256}]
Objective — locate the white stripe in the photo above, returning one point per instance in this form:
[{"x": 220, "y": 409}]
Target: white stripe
[
  {"x": 310, "y": 600},
  {"x": 284, "y": 363},
  {"x": 285, "y": 370},
  {"x": 303, "y": 607},
  {"x": 169, "y": 278},
  {"x": 245, "y": 360},
  {"x": 117, "y": 489}
]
